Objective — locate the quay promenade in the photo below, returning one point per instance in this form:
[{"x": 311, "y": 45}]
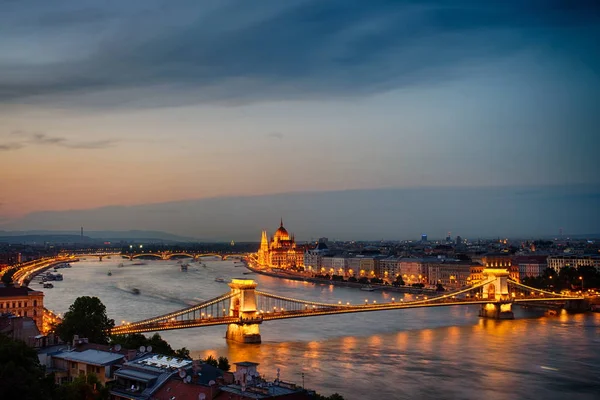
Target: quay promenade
[{"x": 303, "y": 278}]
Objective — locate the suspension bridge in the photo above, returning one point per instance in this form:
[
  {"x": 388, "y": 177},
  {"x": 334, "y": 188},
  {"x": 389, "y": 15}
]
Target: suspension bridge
[{"x": 244, "y": 308}]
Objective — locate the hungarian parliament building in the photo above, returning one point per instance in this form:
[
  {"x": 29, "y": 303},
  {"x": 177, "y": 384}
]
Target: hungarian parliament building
[{"x": 281, "y": 251}]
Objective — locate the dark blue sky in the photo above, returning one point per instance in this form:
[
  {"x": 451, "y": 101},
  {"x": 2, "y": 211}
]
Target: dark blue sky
[{"x": 159, "y": 101}]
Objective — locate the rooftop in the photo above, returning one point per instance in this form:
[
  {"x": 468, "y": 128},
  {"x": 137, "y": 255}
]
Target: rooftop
[
  {"x": 15, "y": 291},
  {"x": 246, "y": 364},
  {"x": 265, "y": 391},
  {"x": 93, "y": 357}
]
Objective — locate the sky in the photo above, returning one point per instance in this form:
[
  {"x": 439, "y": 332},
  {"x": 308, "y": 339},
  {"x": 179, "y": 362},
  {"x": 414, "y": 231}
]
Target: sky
[{"x": 125, "y": 105}]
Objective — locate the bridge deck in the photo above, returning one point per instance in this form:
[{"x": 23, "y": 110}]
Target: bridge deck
[{"x": 331, "y": 310}]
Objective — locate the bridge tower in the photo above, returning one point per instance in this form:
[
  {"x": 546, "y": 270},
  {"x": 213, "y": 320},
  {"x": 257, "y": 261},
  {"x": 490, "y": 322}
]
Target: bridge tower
[
  {"x": 100, "y": 258},
  {"x": 496, "y": 291},
  {"x": 243, "y": 306}
]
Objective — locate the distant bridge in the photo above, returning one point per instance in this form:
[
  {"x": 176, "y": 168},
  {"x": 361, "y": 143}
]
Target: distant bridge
[
  {"x": 244, "y": 308},
  {"x": 160, "y": 255}
]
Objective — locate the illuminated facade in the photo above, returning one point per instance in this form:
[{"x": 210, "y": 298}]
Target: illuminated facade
[
  {"x": 281, "y": 251},
  {"x": 23, "y": 302}
]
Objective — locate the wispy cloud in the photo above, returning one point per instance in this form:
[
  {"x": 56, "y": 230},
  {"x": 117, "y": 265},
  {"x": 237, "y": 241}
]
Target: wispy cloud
[
  {"x": 10, "y": 146},
  {"x": 275, "y": 135},
  {"x": 43, "y": 139}
]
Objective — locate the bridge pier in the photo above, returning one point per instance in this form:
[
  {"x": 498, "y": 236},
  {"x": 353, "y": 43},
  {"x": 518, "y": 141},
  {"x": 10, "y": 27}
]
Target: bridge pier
[
  {"x": 500, "y": 310},
  {"x": 243, "y": 306},
  {"x": 496, "y": 290},
  {"x": 100, "y": 258}
]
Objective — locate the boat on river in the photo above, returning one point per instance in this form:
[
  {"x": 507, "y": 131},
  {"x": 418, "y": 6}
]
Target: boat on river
[
  {"x": 184, "y": 266},
  {"x": 135, "y": 291},
  {"x": 109, "y": 273},
  {"x": 48, "y": 286},
  {"x": 222, "y": 280},
  {"x": 367, "y": 288}
]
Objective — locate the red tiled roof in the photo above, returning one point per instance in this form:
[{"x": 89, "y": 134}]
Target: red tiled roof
[{"x": 180, "y": 390}]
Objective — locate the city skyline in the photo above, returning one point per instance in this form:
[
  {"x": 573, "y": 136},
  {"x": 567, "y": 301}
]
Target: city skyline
[{"x": 203, "y": 101}]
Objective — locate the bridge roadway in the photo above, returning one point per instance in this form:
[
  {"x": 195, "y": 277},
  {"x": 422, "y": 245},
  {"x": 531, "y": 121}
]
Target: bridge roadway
[{"x": 313, "y": 309}]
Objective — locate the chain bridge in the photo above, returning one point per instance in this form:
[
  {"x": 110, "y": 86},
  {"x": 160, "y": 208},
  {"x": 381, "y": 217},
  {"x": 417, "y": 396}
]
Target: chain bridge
[{"x": 244, "y": 308}]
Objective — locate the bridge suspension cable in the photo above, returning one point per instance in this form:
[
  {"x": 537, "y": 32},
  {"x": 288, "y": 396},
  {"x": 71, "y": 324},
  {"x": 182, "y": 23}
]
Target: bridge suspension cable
[{"x": 175, "y": 314}]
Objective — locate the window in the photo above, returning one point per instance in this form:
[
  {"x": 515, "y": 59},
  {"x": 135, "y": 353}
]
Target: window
[
  {"x": 35, "y": 303},
  {"x": 20, "y": 304},
  {"x": 25, "y": 313},
  {"x": 73, "y": 365},
  {"x": 26, "y": 304}
]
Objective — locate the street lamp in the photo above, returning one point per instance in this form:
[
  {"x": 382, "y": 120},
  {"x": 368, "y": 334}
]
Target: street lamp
[{"x": 581, "y": 279}]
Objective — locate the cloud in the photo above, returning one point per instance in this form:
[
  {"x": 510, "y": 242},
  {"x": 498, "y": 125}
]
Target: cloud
[
  {"x": 231, "y": 51},
  {"x": 275, "y": 135},
  {"x": 10, "y": 146},
  {"x": 42, "y": 139}
]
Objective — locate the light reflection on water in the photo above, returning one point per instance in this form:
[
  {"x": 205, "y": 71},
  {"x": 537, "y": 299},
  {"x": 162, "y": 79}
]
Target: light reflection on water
[{"x": 437, "y": 353}]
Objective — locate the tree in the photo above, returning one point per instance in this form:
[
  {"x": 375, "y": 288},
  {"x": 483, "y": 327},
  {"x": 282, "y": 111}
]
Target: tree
[
  {"x": 21, "y": 375},
  {"x": 440, "y": 287},
  {"x": 182, "y": 353},
  {"x": 210, "y": 360},
  {"x": 399, "y": 281},
  {"x": 7, "y": 277},
  {"x": 87, "y": 318},
  {"x": 136, "y": 340},
  {"x": 335, "y": 396},
  {"x": 223, "y": 364},
  {"x": 86, "y": 387}
]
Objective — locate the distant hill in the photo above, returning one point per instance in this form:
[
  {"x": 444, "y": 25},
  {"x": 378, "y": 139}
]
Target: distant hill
[{"x": 49, "y": 236}]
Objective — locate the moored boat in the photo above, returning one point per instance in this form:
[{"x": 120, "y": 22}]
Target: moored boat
[{"x": 48, "y": 286}]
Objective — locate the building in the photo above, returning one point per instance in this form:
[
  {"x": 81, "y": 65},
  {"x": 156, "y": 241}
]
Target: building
[
  {"x": 314, "y": 256},
  {"x": 368, "y": 265},
  {"x": 68, "y": 365},
  {"x": 575, "y": 261},
  {"x": 452, "y": 274},
  {"x": 388, "y": 269},
  {"x": 413, "y": 270},
  {"x": 501, "y": 260},
  {"x": 23, "y": 302},
  {"x": 200, "y": 381},
  {"x": 424, "y": 238},
  {"x": 476, "y": 274},
  {"x": 20, "y": 328},
  {"x": 141, "y": 378},
  {"x": 248, "y": 384},
  {"x": 281, "y": 251},
  {"x": 9, "y": 258},
  {"x": 530, "y": 266},
  {"x": 352, "y": 266}
]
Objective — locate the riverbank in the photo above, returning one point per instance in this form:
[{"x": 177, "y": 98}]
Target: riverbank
[
  {"x": 295, "y": 277},
  {"x": 28, "y": 276}
]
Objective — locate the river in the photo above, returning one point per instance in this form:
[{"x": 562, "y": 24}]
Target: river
[{"x": 432, "y": 353}]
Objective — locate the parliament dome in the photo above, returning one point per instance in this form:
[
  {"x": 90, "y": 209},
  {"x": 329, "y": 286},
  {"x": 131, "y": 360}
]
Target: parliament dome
[{"x": 282, "y": 233}]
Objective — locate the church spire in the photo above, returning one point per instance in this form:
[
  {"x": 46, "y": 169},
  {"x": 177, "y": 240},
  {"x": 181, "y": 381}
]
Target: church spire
[{"x": 281, "y": 224}]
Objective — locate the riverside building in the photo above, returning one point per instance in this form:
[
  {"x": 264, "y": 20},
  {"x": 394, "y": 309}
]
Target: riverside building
[{"x": 281, "y": 251}]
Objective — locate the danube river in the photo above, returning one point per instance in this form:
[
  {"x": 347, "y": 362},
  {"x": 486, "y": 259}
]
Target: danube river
[{"x": 433, "y": 353}]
